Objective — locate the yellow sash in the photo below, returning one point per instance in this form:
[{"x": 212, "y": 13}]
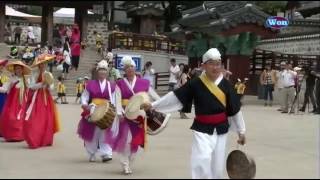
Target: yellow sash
[
  {"x": 214, "y": 89},
  {"x": 98, "y": 101},
  {"x": 124, "y": 102}
]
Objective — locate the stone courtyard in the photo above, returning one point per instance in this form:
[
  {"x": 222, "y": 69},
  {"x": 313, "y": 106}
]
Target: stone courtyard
[{"x": 283, "y": 146}]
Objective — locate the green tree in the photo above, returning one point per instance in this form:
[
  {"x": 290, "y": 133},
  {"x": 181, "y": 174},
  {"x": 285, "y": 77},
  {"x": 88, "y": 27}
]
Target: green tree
[
  {"x": 33, "y": 10},
  {"x": 173, "y": 11},
  {"x": 271, "y": 7}
]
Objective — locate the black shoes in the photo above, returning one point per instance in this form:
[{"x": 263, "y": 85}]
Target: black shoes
[{"x": 106, "y": 159}]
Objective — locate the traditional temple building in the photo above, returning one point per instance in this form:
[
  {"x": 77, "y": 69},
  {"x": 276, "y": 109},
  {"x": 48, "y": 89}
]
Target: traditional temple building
[
  {"x": 234, "y": 27},
  {"x": 147, "y": 16},
  {"x": 302, "y": 36}
]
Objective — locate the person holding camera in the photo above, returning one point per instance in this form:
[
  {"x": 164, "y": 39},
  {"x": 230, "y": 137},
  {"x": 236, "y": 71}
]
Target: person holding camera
[
  {"x": 308, "y": 95},
  {"x": 317, "y": 90}
]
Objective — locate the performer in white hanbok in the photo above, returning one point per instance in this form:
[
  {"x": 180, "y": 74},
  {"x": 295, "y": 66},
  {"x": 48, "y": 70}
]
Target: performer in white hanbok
[
  {"x": 97, "y": 92},
  {"x": 132, "y": 133}
]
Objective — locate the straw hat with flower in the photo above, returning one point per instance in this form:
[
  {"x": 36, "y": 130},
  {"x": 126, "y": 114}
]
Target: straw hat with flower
[
  {"x": 43, "y": 58},
  {"x": 26, "y": 68}
]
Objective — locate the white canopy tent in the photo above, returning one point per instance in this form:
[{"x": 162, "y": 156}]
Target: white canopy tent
[
  {"x": 66, "y": 12},
  {"x": 12, "y": 12},
  {"x": 65, "y": 16}
]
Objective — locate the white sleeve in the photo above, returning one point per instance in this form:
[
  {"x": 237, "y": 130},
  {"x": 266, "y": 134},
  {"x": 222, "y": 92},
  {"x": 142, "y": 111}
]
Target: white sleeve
[
  {"x": 237, "y": 123},
  {"x": 33, "y": 85},
  {"x": 36, "y": 86},
  {"x": 5, "y": 87},
  {"x": 168, "y": 103},
  {"x": 177, "y": 70},
  {"x": 154, "y": 95},
  {"x": 118, "y": 103},
  {"x": 152, "y": 71},
  {"x": 51, "y": 88},
  {"x": 84, "y": 97}
]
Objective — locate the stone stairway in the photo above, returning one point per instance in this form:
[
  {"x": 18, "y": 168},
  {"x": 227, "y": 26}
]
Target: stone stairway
[
  {"x": 88, "y": 58},
  {"x": 4, "y": 50}
]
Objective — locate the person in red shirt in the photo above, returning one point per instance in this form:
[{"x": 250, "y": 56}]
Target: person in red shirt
[{"x": 75, "y": 46}]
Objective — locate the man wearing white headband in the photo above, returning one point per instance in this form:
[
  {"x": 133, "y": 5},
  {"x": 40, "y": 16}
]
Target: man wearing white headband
[
  {"x": 97, "y": 92},
  {"x": 216, "y": 105},
  {"x": 128, "y": 141}
]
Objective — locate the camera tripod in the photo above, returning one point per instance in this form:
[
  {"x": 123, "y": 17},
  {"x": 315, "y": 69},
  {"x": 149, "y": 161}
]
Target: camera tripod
[{"x": 296, "y": 98}]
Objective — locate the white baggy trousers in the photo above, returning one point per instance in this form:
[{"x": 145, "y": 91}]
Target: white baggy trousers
[
  {"x": 98, "y": 144},
  {"x": 208, "y": 155}
]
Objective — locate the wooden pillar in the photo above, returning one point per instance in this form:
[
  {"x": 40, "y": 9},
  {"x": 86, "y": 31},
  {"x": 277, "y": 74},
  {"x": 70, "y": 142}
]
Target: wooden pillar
[
  {"x": 81, "y": 18},
  {"x": 50, "y": 25},
  {"x": 84, "y": 27},
  {"x": 254, "y": 56},
  {"x": 44, "y": 25},
  {"x": 2, "y": 21}
]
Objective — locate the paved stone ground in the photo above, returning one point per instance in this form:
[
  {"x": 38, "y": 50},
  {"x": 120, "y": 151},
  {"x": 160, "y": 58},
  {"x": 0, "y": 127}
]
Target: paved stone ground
[{"x": 283, "y": 146}]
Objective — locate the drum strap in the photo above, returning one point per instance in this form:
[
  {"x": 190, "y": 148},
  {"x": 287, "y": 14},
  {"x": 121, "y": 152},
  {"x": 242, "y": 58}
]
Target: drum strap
[{"x": 110, "y": 94}]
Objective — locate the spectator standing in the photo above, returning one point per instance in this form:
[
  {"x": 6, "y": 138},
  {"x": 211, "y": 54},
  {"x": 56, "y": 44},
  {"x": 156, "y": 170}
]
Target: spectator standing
[
  {"x": 240, "y": 88},
  {"x": 30, "y": 34},
  {"x": 183, "y": 79},
  {"x": 316, "y": 73},
  {"x": 308, "y": 95},
  {"x": 288, "y": 90},
  {"x": 75, "y": 47},
  {"x": 17, "y": 34},
  {"x": 148, "y": 73},
  {"x": 174, "y": 74},
  {"x": 56, "y": 36},
  {"x": 268, "y": 79},
  {"x": 51, "y": 63},
  {"x": 9, "y": 32},
  {"x": 79, "y": 89},
  {"x": 61, "y": 89},
  {"x": 280, "y": 85},
  {"x": 66, "y": 60}
]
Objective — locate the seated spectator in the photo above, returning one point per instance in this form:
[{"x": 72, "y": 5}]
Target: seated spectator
[
  {"x": 14, "y": 53},
  {"x": 28, "y": 56},
  {"x": 37, "y": 51}
]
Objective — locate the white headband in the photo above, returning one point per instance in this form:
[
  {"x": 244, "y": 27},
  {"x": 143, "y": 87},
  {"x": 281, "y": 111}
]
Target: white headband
[{"x": 211, "y": 54}]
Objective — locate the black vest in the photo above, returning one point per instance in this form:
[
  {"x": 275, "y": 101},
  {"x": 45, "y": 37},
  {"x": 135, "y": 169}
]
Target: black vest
[{"x": 207, "y": 104}]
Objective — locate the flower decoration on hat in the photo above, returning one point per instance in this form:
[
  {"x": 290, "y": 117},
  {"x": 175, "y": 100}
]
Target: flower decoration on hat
[
  {"x": 128, "y": 61},
  {"x": 103, "y": 64}
]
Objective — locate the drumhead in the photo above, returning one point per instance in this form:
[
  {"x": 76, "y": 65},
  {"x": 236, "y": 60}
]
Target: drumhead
[
  {"x": 99, "y": 112},
  {"x": 48, "y": 77},
  {"x": 240, "y": 165},
  {"x": 163, "y": 125}
]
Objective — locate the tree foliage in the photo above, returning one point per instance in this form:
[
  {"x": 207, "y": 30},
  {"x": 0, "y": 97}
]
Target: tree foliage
[
  {"x": 271, "y": 7},
  {"x": 174, "y": 10}
]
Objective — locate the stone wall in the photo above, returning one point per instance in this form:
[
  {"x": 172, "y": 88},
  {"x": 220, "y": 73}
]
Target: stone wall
[
  {"x": 24, "y": 26},
  {"x": 100, "y": 27},
  {"x": 309, "y": 44}
]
